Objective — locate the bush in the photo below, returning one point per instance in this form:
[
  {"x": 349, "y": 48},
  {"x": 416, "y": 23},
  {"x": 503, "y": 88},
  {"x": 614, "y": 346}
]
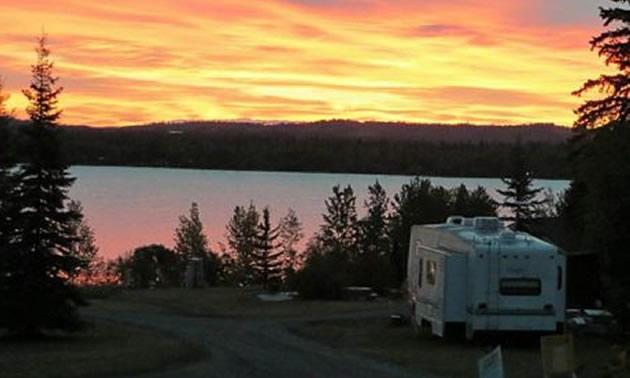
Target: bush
[{"x": 324, "y": 276}]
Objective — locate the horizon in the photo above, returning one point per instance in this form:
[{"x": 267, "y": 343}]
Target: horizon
[
  {"x": 265, "y": 123},
  {"x": 475, "y": 62}
]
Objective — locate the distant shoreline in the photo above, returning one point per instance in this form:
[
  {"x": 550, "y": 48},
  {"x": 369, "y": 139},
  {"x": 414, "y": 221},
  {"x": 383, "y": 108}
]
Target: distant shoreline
[
  {"x": 322, "y": 147},
  {"x": 301, "y": 172}
]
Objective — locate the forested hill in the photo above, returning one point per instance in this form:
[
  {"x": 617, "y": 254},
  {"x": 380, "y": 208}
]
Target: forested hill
[{"x": 326, "y": 146}]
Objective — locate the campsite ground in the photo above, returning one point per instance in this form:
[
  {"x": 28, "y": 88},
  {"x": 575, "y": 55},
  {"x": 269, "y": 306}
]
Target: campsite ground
[{"x": 229, "y": 333}]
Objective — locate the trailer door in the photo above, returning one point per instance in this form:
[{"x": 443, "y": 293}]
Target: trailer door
[{"x": 436, "y": 284}]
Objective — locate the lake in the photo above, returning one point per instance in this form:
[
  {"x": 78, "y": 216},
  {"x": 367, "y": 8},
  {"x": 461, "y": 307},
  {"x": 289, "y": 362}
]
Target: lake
[{"x": 130, "y": 207}]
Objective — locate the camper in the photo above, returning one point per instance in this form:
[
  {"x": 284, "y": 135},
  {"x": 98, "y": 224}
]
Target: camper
[{"x": 473, "y": 274}]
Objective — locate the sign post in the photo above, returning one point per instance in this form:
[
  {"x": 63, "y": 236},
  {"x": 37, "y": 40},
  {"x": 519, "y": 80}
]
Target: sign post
[
  {"x": 558, "y": 355},
  {"x": 491, "y": 365}
]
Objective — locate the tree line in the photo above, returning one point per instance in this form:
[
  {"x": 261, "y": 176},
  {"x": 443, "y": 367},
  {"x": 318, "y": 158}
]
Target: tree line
[
  {"x": 348, "y": 249},
  {"x": 334, "y": 146}
]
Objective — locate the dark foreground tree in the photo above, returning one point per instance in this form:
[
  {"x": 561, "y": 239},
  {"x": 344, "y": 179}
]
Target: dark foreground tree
[
  {"x": 35, "y": 292},
  {"x": 338, "y": 233},
  {"x": 289, "y": 235},
  {"x": 241, "y": 239},
  {"x": 601, "y": 152},
  {"x": 191, "y": 242},
  {"x": 84, "y": 248},
  {"x": 373, "y": 266},
  {"x": 150, "y": 266},
  {"x": 520, "y": 196},
  {"x": 418, "y": 202},
  {"x": 476, "y": 203},
  {"x": 8, "y": 190},
  {"x": 267, "y": 257}
]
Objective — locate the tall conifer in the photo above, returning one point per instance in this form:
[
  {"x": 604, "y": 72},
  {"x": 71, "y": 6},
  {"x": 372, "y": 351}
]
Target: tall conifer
[{"x": 36, "y": 294}]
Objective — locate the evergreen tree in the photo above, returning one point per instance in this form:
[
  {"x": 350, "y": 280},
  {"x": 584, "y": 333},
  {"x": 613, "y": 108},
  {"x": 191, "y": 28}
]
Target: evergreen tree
[
  {"x": 151, "y": 266},
  {"x": 613, "y": 45},
  {"x": 267, "y": 260},
  {"x": 8, "y": 190},
  {"x": 373, "y": 267},
  {"x": 338, "y": 233},
  {"x": 241, "y": 237},
  {"x": 289, "y": 235},
  {"x": 472, "y": 204},
  {"x": 84, "y": 248},
  {"x": 373, "y": 235},
  {"x": 35, "y": 293},
  {"x": 418, "y": 202},
  {"x": 192, "y": 242},
  {"x": 520, "y": 195},
  {"x": 598, "y": 204}
]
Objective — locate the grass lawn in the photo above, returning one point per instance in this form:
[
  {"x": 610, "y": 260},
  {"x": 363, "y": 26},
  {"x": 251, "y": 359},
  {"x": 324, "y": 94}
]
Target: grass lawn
[
  {"x": 105, "y": 349},
  {"x": 233, "y": 302},
  {"x": 449, "y": 358}
]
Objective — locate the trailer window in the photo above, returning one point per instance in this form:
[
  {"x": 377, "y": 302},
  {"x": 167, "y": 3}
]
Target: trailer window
[
  {"x": 420, "y": 274},
  {"x": 519, "y": 286},
  {"x": 431, "y": 272},
  {"x": 560, "y": 278}
]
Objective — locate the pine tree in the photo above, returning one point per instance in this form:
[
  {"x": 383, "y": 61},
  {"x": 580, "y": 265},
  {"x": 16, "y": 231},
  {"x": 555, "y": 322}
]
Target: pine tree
[
  {"x": 289, "y": 235},
  {"x": 8, "y": 188},
  {"x": 373, "y": 235},
  {"x": 35, "y": 293},
  {"x": 613, "y": 45},
  {"x": 267, "y": 256},
  {"x": 241, "y": 238},
  {"x": 338, "y": 233},
  {"x": 84, "y": 248},
  {"x": 419, "y": 202},
  {"x": 472, "y": 204},
  {"x": 190, "y": 240},
  {"x": 373, "y": 267},
  {"x": 598, "y": 202},
  {"x": 520, "y": 194}
]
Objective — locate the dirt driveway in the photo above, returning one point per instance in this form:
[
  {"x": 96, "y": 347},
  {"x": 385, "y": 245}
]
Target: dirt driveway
[{"x": 243, "y": 347}]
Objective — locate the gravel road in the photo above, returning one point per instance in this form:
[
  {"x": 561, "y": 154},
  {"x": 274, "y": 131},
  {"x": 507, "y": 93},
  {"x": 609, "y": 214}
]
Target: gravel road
[{"x": 244, "y": 347}]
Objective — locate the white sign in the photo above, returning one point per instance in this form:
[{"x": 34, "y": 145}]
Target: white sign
[{"x": 491, "y": 365}]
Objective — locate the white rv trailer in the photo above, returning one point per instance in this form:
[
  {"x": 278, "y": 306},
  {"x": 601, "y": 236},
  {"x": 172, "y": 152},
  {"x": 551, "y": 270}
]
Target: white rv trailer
[{"x": 474, "y": 274}]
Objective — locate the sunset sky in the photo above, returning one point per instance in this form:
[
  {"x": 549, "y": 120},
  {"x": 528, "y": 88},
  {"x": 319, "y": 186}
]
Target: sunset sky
[{"x": 480, "y": 61}]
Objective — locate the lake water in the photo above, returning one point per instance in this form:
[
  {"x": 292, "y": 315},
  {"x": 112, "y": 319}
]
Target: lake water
[{"x": 130, "y": 207}]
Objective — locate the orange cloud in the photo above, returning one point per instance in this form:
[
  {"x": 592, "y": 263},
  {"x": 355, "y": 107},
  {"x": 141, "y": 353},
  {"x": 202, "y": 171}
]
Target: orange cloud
[{"x": 473, "y": 61}]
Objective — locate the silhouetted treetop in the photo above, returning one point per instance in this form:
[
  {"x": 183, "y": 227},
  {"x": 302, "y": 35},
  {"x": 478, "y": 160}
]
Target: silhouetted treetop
[{"x": 614, "y": 46}]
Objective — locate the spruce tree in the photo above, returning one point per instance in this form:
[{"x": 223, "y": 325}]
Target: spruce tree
[
  {"x": 520, "y": 194},
  {"x": 190, "y": 240},
  {"x": 373, "y": 267},
  {"x": 8, "y": 188},
  {"x": 373, "y": 228},
  {"x": 338, "y": 233},
  {"x": 289, "y": 235},
  {"x": 241, "y": 238},
  {"x": 614, "y": 46},
  {"x": 84, "y": 248},
  {"x": 598, "y": 200},
  {"x": 267, "y": 256},
  {"x": 419, "y": 202},
  {"x": 476, "y": 203},
  {"x": 36, "y": 294}
]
